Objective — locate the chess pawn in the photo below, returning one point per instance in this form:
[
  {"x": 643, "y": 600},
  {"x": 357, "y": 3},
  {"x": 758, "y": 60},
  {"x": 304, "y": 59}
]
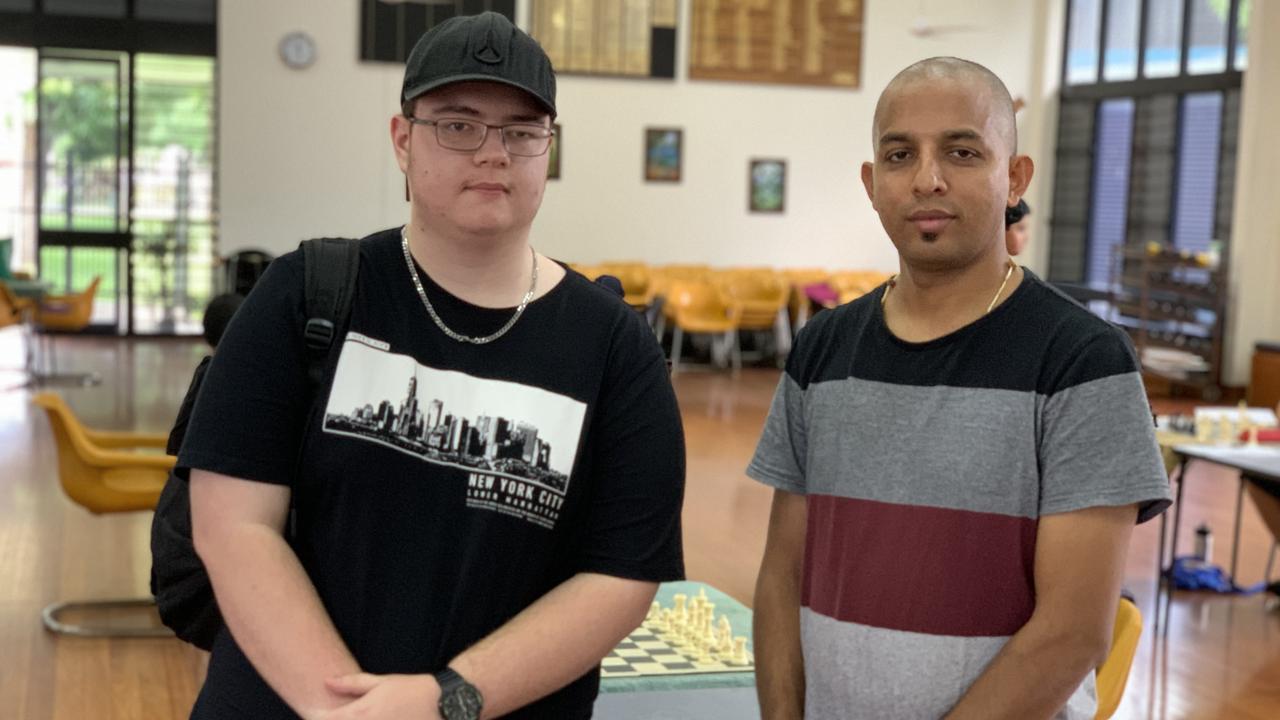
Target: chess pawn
[
  {"x": 1226, "y": 430},
  {"x": 664, "y": 621},
  {"x": 739, "y": 650},
  {"x": 686, "y": 633},
  {"x": 681, "y": 610},
  {"x": 702, "y": 595},
  {"x": 655, "y": 610},
  {"x": 726, "y": 634}
]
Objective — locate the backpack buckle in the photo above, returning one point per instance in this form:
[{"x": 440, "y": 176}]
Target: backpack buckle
[{"x": 318, "y": 333}]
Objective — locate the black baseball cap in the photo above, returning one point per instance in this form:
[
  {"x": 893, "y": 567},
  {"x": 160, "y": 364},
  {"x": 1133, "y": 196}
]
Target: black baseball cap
[{"x": 485, "y": 47}]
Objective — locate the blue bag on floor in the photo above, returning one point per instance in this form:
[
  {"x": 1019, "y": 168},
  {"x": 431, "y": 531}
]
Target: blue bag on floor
[{"x": 1190, "y": 573}]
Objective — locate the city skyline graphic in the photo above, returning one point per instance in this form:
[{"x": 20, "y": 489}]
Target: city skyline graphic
[
  {"x": 486, "y": 443},
  {"x": 480, "y": 425}
]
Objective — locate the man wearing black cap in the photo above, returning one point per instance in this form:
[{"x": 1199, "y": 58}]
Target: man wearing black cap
[{"x": 492, "y": 491}]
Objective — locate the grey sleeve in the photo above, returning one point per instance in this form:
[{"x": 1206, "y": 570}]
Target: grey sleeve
[
  {"x": 780, "y": 455},
  {"x": 1098, "y": 448}
]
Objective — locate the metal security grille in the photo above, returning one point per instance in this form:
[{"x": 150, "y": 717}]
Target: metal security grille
[{"x": 173, "y": 214}]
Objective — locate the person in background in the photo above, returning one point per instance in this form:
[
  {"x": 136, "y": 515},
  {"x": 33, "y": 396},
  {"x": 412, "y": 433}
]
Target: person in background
[{"x": 1017, "y": 227}]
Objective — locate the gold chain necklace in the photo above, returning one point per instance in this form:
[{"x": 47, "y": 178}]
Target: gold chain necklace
[{"x": 893, "y": 282}]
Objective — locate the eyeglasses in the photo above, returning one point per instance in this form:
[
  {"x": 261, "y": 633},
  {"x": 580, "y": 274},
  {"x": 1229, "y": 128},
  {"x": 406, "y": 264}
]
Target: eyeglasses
[{"x": 524, "y": 139}]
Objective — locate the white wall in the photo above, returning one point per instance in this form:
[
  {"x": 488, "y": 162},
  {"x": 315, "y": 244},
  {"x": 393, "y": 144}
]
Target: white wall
[
  {"x": 1254, "y": 306},
  {"x": 306, "y": 152}
]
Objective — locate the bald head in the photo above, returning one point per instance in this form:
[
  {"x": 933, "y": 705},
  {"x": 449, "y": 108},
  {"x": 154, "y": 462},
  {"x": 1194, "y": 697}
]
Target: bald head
[{"x": 981, "y": 81}]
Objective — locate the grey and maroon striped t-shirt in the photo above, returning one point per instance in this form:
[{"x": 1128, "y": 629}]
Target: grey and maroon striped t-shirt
[{"x": 926, "y": 467}]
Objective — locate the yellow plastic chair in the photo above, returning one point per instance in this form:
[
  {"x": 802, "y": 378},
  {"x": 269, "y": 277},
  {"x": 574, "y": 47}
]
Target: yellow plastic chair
[
  {"x": 634, "y": 277},
  {"x": 591, "y": 272},
  {"x": 9, "y": 314},
  {"x": 798, "y": 278},
  {"x": 1114, "y": 673},
  {"x": 697, "y": 308},
  {"x": 662, "y": 278},
  {"x": 758, "y": 299},
  {"x": 103, "y": 472},
  {"x": 853, "y": 284},
  {"x": 11, "y": 299},
  {"x": 68, "y": 313}
]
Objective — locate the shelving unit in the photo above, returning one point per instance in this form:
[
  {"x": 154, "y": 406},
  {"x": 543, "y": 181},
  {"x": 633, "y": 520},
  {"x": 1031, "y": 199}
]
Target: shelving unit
[{"x": 1173, "y": 305}]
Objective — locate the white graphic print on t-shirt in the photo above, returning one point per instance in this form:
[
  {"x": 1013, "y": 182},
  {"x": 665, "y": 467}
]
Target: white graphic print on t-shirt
[{"x": 517, "y": 443}]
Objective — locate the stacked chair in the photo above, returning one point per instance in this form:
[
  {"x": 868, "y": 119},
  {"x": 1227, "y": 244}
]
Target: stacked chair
[
  {"x": 104, "y": 472},
  {"x": 720, "y": 303}
]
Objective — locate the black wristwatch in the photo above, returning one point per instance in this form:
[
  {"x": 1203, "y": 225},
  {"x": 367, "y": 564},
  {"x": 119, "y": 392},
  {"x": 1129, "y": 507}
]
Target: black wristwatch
[{"x": 459, "y": 699}]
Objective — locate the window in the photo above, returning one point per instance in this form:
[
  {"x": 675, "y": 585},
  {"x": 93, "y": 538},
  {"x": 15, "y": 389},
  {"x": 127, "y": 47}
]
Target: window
[
  {"x": 1146, "y": 133},
  {"x": 1110, "y": 184},
  {"x": 1197, "y": 178},
  {"x": 87, "y": 8},
  {"x": 197, "y": 11},
  {"x": 1082, "y": 41},
  {"x": 1121, "y": 59},
  {"x": 112, "y": 176},
  {"x": 1242, "y": 35},
  {"x": 1207, "y": 52},
  {"x": 1163, "y": 55}
]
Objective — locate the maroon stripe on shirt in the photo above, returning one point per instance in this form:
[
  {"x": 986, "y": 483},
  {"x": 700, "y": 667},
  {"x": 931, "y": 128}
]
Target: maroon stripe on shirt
[{"x": 920, "y": 569}]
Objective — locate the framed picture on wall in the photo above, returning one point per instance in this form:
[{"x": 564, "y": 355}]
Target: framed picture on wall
[
  {"x": 663, "y": 152},
  {"x": 767, "y": 191},
  {"x": 553, "y": 165}
]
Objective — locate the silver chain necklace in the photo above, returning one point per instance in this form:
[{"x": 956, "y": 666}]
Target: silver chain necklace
[{"x": 417, "y": 283}]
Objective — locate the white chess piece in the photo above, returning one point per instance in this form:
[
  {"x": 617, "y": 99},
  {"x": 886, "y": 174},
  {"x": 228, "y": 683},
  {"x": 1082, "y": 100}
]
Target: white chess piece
[{"x": 740, "y": 650}]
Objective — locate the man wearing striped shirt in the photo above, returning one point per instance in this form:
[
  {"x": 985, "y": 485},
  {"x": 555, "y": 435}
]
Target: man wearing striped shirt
[{"x": 959, "y": 457}]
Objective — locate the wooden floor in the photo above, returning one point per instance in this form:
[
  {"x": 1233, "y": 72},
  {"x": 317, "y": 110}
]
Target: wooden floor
[{"x": 1221, "y": 658}]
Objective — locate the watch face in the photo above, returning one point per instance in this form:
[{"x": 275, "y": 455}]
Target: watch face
[{"x": 463, "y": 703}]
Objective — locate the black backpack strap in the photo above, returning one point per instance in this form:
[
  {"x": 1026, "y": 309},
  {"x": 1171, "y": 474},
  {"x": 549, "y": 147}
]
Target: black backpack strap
[{"x": 332, "y": 265}]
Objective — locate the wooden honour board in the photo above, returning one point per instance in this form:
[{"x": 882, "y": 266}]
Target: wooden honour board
[
  {"x": 633, "y": 38},
  {"x": 793, "y": 42}
]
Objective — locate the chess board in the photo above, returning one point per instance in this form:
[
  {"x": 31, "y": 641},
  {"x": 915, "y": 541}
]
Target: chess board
[{"x": 646, "y": 651}]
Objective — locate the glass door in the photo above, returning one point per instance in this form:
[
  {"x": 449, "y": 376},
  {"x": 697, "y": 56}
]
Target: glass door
[{"x": 83, "y": 179}]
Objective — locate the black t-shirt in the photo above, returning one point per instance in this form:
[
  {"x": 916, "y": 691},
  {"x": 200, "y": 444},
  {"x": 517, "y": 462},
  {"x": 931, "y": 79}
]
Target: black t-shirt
[{"x": 445, "y": 486}]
